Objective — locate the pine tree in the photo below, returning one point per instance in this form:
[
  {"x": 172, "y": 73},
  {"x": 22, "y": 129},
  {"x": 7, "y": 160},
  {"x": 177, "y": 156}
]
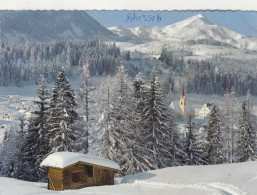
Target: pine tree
[
  {"x": 107, "y": 137},
  {"x": 229, "y": 124},
  {"x": 36, "y": 143},
  {"x": 246, "y": 143},
  {"x": 60, "y": 123},
  {"x": 19, "y": 172},
  {"x": 83, "y": 133},
  {"x": 214, "y": 147},
  {"x": 11, "y": 154},
  {"x": 193, "y": 146},
  {"x": 8, "y": 154},
  {"x": 133, "y": 156},
  {"x": 139, "y": 87},
  {"x": 157, "y": 135}
]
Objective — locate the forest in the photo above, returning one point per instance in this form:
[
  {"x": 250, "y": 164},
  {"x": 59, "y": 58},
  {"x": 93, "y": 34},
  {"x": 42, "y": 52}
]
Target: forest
[
  {"x": 123, "y": 117},
  {"x": 211, "y": 76},
  {"x": 125, "y": 121},
  {"x": 22, "y": 64}
]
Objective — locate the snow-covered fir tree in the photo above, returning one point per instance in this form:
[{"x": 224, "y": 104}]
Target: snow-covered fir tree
[
  {"x": 12, "y": 156},
  {"x": 62, "y": 116},
  {"x": 82, "y": 133},
  {"x": 107, "y": 137},
  {"x": 8, "y": 154},
  {"x": 214, "y": 145},
  {"x": 177, "y": 154},
  {"x": 247, "y": 144},
  {"x": 229, "y": 123},
  {"x": 139, "y": 88},
  {"x": 134, "y": 157},
  {"x": 193, "y": 145},
  {"x": 19, "y": 153},
  {"x": 156, "y": 134},
  {"x": 37, "y": 143}
]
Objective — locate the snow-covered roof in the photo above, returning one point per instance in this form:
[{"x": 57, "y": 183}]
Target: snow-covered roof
[{"x": 64, "y": 159}]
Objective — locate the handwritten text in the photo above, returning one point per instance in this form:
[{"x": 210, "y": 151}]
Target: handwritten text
[{"x": 133, "y": 17}]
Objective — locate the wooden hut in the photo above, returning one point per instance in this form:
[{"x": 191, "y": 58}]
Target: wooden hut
[{"x": 69, "y": 170}]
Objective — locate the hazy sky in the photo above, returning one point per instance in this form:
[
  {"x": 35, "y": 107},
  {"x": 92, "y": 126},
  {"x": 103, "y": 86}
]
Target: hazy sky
[{"x": 242, "y": 22}]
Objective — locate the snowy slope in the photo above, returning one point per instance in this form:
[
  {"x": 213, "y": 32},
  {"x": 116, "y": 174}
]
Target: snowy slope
[
  {"x": 228, "y": 179},
  {"x": 193, "y": 28},
  {"x": 45, "y": 26},
  {"x": 195, "y": 34}
]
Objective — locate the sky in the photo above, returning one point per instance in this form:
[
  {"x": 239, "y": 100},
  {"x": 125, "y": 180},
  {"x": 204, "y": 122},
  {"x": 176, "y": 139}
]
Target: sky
[{"x": 241, "y": 22}]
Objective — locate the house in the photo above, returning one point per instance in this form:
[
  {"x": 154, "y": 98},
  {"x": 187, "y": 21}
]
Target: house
[
  {"x": 7, "y": 117},
  {"x": 14, "y": 98},
  {"x": 28, "y": 115},
  {"x": 22, "y": 105},
  {"x": 70, "y": 170},
  {"x": 9, "y": 98},
  {"x": 205, "y": 110}
]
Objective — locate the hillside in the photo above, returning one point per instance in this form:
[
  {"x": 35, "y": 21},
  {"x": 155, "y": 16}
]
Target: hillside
[
  {"x": 45, "y": 26},
  {"x": 228, "y": 179}
]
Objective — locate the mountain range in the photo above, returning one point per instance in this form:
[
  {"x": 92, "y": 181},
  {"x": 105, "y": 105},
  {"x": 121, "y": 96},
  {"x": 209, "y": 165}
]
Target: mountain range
[
  {"x": 189, "y": 31},
  {"x": 45, "y": 26}
]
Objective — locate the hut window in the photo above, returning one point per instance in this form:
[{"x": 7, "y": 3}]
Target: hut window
[
  {"x": 75, "y": 177},
  {"x": 89, "y": 170}
]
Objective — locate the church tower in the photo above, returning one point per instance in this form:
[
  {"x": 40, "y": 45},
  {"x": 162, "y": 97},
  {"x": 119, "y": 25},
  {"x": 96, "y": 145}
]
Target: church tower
[{"x": 183, "y": 102}]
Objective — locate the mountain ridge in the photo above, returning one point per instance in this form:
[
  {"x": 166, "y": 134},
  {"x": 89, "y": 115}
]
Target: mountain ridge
[
  {"x": 195, "y": 28},
  {"x": 46, "y": 26}
]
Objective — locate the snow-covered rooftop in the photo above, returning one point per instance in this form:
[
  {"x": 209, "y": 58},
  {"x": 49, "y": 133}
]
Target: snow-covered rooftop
[{"x": 64, "y": 159}]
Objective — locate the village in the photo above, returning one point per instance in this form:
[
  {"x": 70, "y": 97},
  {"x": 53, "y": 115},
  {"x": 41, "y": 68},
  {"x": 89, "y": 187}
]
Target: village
[
  {"x": 184, "y": 107},
  {"x": 15, "y": 107}
]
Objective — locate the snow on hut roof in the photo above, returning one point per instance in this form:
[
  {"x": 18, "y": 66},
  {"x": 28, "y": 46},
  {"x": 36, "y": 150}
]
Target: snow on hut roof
[{"x": 64, "y": 159}]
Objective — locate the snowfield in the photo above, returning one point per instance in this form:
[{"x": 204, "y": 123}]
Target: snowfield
[{"x": 228, "y": 179}]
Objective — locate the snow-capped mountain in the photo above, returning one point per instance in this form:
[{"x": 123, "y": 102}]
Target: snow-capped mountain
[
  {"x": 44, "y": 26},
  {"x": 189, "y": 31}
]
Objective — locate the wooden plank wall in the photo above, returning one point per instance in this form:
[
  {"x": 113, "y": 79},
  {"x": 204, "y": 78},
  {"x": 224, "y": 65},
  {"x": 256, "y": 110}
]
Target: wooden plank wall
[
  {"x": 62, "y": 178},
  {"x": 55, "y": 178}
]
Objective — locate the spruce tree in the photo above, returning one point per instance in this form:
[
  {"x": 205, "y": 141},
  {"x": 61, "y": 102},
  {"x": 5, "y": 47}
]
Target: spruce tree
[
  {"x": 82, "y": 134},
  {"x": 228, "y": 121},
  {"x": 139, "y": 89},
  {"x": 19, "y": 168},
  {"x": 246, "y": 143},
  {"x": 176, "y": 154},
  {"x": 37, "y": 143},
  {"x": 156, "y": 134},
  {"x": 133, "y": 156},
  {"x": 62, "y": 116},
  {"x": 214, "y": 146},
  {"x": 193, "y": 145},
  {"x": 107, "y": 137}
]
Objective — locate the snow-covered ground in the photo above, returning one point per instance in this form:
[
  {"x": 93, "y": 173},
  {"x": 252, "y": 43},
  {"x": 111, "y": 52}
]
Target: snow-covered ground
[{"x": 228, "y": 179}]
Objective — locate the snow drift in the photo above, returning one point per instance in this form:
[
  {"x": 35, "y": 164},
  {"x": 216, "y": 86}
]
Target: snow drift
[{"x": 228, "y": 179}]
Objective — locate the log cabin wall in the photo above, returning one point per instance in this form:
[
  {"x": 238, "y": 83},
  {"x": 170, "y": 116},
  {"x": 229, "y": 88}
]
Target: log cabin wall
[
  {"x": 79, "y": 175},
  {"x": 55, "y": 179}
]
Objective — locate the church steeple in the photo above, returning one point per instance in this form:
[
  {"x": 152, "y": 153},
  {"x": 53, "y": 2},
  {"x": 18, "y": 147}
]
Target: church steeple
[{"x": 183, "y": 101}]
